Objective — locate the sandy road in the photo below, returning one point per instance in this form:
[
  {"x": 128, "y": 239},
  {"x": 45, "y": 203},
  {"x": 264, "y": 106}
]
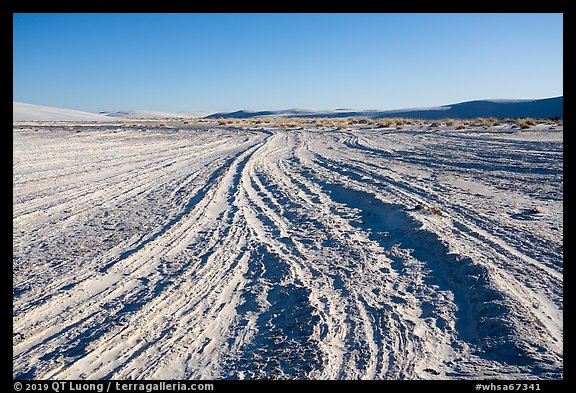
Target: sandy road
[{"x": 223, "y": 253}]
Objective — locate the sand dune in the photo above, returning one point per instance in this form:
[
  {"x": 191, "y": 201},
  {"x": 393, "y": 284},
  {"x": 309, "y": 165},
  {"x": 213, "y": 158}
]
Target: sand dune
[{"x": 29, "y": 112}]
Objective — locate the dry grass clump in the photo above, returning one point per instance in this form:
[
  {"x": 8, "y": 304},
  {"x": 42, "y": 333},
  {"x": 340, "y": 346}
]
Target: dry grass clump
[
  {"x": 389, "y": 122},
  {"x": 225, "y": 121},
  {"x": 534, "y": 210},
  {"x": 524, "y": 123},
  {"x": 527, "y": 122},
  {"x": 487, "y": 122},
  {"x": 432, "y": 209},
  {"x": 329, "y": 123},
  {"x": 288, "y": 122},
  {"x": 204, "y": 120}
]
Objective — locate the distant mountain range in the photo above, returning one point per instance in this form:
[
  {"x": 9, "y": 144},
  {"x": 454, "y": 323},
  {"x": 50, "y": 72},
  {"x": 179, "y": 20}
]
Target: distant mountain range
[{"x": 539, "y": 108}]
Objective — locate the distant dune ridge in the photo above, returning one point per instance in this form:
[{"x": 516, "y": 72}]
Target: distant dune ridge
[
  {"x": 144, "y": 114},
  {"x": 548, "y": 107},
  {"x": 541, "y": 108},
  {"x": 536, "y": 108}
]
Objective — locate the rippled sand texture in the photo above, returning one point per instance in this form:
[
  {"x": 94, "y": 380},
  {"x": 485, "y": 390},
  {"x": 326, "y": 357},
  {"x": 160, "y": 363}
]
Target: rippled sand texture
[{"x": 287, "y": 253}]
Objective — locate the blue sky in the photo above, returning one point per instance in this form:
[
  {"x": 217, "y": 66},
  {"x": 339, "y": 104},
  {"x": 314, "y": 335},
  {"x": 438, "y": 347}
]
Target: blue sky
[{"x": 226, "y": 62}]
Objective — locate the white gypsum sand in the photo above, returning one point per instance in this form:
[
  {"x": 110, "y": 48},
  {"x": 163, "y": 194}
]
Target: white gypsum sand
[
  {"x": 147, "y": 253},
  {"x": 29, "y": 112}
]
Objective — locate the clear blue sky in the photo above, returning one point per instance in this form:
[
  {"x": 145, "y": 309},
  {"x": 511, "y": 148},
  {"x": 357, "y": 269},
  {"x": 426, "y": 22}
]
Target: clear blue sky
[{"x": 226, "y": 62}]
